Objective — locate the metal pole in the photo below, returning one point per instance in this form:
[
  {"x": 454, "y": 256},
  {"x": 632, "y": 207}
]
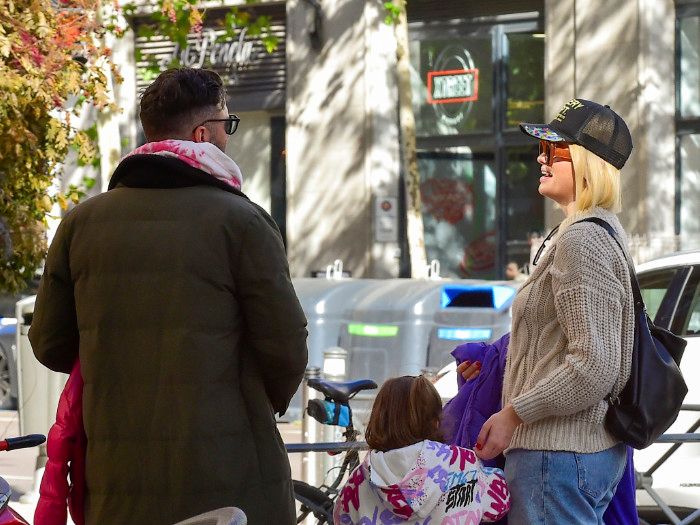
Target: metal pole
[
  {"x": 430, "y": 373},
  {"x": 675, "y": 447},
  {"x": 310, "y": 464},
  {"x": 340, "y": 446},
  {"x": 335, "y": 366}
]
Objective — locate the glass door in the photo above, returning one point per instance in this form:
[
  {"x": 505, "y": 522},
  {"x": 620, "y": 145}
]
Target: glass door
[
  {"x": 472, "y": 83},
  {"x": 458, "y": 190}
]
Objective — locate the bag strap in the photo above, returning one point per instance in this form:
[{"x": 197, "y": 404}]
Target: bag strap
[
  {"x": 636, "y": 292},
  {"x": 543, "y": 245}
]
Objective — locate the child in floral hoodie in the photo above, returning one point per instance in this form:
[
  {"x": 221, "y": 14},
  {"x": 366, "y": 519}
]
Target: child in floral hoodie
[{"x": 410, "y": 476}]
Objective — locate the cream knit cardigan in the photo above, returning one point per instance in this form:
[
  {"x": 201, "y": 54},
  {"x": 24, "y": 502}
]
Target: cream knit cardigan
[{"x": 571, "y": 339}]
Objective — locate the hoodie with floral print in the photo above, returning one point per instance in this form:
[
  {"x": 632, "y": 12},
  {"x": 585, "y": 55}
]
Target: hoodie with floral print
[{"x": 425, "y": 483}]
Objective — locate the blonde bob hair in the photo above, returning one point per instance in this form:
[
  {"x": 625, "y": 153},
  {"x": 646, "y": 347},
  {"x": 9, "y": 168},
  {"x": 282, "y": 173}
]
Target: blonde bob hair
[{"x": 597, "y": 181}]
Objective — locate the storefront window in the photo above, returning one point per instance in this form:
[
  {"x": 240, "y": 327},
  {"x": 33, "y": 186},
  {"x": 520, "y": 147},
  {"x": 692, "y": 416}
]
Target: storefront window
[
  {"x": 473, "y": 82},
  {"x": 452, "y": 83},
  {"x": 525, "y": 93},
  {"x": 690, "y": 186},
  {"x": 687, "y": 213},
  {"x": 689, "y": 43},
  {"x": 525, "y": 206},
  {"x": 458, "y": 191}
]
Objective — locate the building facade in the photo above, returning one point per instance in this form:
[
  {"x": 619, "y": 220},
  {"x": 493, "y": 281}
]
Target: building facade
[{"x": 319, "y": 140}]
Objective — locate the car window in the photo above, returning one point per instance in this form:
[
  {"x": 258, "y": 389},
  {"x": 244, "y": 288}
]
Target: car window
[
  {"x": 653, "y": 286},
  {"x": 691, "y": 324}
]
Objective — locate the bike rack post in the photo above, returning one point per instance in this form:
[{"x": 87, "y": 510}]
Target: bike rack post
[
  {"x": 430, "y": 373},
  {"x": 311, "y": 465},
  {"x": 335, "y": 367}
]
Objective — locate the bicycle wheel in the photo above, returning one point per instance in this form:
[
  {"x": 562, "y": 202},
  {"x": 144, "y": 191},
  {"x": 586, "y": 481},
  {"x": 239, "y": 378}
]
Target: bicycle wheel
[{"x": 313, "y": 500}]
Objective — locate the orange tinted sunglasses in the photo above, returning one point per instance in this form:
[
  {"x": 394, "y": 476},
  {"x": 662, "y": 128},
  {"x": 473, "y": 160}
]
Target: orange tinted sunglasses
[{"x": 553, "y": 151}]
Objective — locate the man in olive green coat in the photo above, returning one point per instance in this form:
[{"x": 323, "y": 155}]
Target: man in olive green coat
[{"x": 173, "y": 289}]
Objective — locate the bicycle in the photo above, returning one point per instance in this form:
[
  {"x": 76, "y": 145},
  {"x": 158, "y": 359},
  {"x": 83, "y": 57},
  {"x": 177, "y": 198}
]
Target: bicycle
[
  {"x": 8, "y": 516},
  {"x": 334, "y": 409}
]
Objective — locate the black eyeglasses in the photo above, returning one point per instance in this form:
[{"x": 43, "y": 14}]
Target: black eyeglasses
[{"x": 230, "y": 123}]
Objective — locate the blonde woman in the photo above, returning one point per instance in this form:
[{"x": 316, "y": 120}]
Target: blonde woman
[{"x": 572, "y": 332}]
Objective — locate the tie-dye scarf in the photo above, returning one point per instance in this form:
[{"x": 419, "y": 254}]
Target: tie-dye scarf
[{"x": 204, "y": 156}]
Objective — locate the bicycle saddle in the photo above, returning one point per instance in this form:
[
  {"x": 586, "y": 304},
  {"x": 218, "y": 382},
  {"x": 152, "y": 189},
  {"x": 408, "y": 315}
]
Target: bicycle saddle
[{"x": 341, "y": 391}]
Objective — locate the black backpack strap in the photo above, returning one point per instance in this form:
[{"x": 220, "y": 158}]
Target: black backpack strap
[{"x": 636, "y": 292}]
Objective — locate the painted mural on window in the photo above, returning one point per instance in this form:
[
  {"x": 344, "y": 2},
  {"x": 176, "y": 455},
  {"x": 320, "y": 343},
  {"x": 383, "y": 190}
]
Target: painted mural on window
[{"x": 458, "y": 191}]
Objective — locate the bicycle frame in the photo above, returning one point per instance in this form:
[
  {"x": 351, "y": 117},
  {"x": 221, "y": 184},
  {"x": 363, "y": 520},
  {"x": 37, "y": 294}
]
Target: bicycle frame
[{"x": 320, "y": 500}]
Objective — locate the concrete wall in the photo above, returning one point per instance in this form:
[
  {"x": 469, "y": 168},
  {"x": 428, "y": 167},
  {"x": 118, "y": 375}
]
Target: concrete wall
[
  {"x": 342, "y": 143},
  {"x": 621, "y": 53}
]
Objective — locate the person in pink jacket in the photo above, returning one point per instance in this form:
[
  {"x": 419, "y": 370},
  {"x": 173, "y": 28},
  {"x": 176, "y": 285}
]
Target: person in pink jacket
[
  {"x": 65, "y": 447},
  {"x": 410, "y": 476}
]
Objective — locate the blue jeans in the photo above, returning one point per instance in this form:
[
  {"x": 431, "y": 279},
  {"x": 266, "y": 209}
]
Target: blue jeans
[{"x": 567, "y": 488}]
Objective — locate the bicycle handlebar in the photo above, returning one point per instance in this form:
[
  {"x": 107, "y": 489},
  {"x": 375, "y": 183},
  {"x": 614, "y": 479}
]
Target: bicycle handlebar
[{"x": 31, "y": 440}]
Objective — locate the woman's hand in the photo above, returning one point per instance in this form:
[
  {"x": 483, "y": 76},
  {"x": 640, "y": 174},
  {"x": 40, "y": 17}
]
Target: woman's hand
[
  {"x": 497, "y": 432},
  {"x": 469, "y": 370}
]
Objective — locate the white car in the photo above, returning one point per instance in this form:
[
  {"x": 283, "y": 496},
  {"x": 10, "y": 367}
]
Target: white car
[{"x": 671, "y": 289}]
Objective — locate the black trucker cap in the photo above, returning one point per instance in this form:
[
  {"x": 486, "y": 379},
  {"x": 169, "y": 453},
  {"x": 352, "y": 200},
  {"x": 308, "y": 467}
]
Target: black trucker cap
[{"x": 597, "y": 128}]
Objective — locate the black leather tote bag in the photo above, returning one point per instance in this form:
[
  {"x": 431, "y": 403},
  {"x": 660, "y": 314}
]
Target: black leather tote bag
[{"x": 650, "y": 401}]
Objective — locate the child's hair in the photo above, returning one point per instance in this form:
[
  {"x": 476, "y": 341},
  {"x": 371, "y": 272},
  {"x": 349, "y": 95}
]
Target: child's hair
[{"x": 406, "y": 410}]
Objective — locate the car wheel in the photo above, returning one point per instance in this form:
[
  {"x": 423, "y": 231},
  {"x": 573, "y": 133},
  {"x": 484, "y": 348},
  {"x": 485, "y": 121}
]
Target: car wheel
[{"x": 7, "y": 401}]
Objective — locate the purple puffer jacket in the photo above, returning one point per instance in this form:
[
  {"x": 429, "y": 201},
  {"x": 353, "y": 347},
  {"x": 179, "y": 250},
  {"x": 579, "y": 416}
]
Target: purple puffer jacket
[{"x": 464, "y": 415}]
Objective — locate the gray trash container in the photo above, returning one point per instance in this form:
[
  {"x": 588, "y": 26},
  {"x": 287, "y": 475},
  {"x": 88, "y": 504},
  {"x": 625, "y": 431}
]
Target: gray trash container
[
  {"x": 38, "y": 392},
  {"x": 390, "y": 327},
  {"x": 327, "y": 304},
  {"x": 469, "y": 312},
  {"x": 39, "y": 388}
]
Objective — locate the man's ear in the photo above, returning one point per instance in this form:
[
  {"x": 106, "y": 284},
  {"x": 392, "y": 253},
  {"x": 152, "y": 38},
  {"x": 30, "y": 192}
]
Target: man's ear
[{"x": 201, "y": 134}]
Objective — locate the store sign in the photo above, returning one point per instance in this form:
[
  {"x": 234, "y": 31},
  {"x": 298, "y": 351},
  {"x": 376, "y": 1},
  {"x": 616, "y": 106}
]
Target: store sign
[
  {"x": 207, "y": 51},
  {"x": 453, "y": 86}
]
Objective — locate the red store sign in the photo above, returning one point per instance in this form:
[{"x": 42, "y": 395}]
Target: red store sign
[{"x": 455, "y": 85}]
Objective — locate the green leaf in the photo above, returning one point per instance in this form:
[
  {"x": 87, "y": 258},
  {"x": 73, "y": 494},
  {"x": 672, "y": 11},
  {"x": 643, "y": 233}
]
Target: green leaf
[
  {"x": 270, "y": 42},
  {"x": 89, "y": 182},
  {"x": 91, "y": 132}
]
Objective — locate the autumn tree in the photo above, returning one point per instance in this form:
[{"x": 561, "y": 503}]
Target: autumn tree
[
  {"x": 51, "y": 64},
  {"x": 54, "y": 62}
]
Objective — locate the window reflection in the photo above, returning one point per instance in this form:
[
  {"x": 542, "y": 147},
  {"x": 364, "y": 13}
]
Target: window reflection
[
  {"x": 458, "y": 192},
  {"x": 452, "y": 84},
  {"x": 690, "y": 187},
  {"x": 525, "y": 73},
  {"x": 689, "y": 39},
  {"x": 525, "y": 206}
]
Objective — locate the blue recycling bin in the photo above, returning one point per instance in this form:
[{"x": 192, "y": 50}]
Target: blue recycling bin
[{"x": 469, "y": 312}]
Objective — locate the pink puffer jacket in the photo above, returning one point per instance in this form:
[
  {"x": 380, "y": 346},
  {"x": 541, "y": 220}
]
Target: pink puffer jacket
[{"x": 65, "y": 447}]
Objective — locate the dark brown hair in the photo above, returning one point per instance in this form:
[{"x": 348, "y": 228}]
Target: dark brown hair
[
  {"x": 171, "y": 104},
  {"x": 406, "y": 410}
]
